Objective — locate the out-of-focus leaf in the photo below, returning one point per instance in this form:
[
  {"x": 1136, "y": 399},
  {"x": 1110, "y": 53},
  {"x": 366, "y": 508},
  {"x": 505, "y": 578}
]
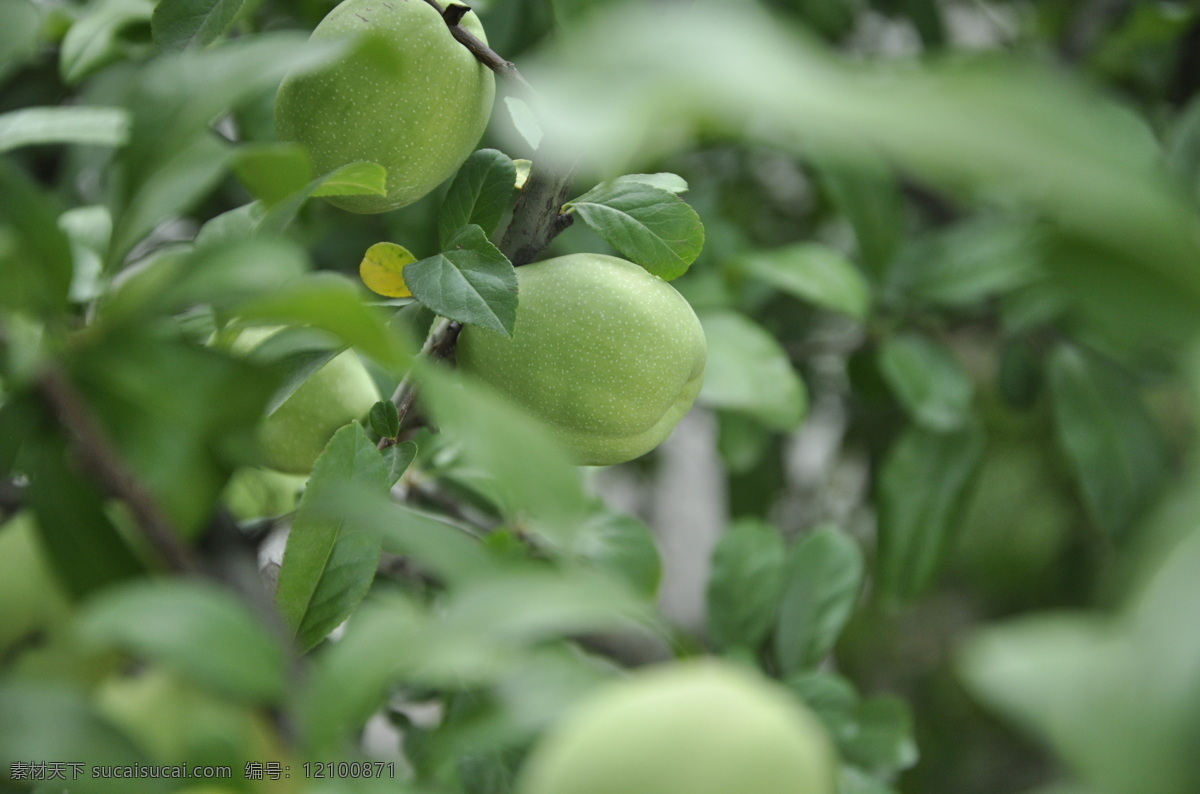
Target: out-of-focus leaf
[
  {"x": 35, "y": 257},
  {"x": 94, "y": 40},
  {"x": 88, "y": 229},
  {"x": 648, "y": 224},
  {"x": 927, "y": 380},
  {"x": 1116, "y": 451},
  {"x": 524, "y": 121},
  {"x": 495, "y": 435},
  {"x": 272, "y": 171},
  {"x": 821, "y": 582},
  {"x": 197, "y": 629},
  {"x": 922, "y": 489},
  {"x": 330, "y": 302},
  {"x": 177, "y": 24},
  {"x": 328, "y": 566},
  {"x": 749, "y": 372},
  {"x": 471, "y": 281},
  {"x": 1183, "y": 150},
  {"x": 855, "y": 781},
  {"x": 745, "y": 585},
  {"x": 480, "y": 194},
  {"x": 80, "y": 124},
  {"x": 865, "y": 191},
  {"x": 883, "y": 738},
  {"x": 21, "y": 23},
  {"x": 813, "y": 273},
  {"x": 622, "y": 546}
]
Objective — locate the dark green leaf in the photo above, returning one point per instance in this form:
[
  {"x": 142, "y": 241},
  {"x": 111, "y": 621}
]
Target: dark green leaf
[
  {"x": 35, "y": 257},
  {"x": 177, "y": 24},
  {"x": 94, "y": 39},
  {"x": 865, "y": 190},
  {"x": 882, "y": 742},
  {"x": 329, "y": 564},
  {"x": 80, "y": 124},
  {"x": 927, "y": 380},
  {"x": 397, "y": 459},
  {"x": 922, "y": 488},
  {"x": 814, "y": 273},
  {"x": 749, "y": 372},
  {"x": 821, "y": 582},
  {"x": 384, "y": 419},
  {"x": 198, "y": 629},
  {"x": 1116, "y": 451},
  {"x": 480, "y": 194},
  {"x": 745, "y": 585},
  {"x": 471, "y": 281},
  {"x": 651, "y": 226}
]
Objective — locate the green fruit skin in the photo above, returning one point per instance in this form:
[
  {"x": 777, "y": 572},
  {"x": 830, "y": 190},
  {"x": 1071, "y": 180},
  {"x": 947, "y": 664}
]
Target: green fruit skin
[
  {"x": 686, "y": 728},
  {"x": 417, "y": 106},
  {"x": 610, "y": 356},
  {"x": 338, "y": 393}
]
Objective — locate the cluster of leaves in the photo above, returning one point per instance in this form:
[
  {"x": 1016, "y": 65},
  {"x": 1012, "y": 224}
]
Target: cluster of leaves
[{"x": 975, "y": 279}]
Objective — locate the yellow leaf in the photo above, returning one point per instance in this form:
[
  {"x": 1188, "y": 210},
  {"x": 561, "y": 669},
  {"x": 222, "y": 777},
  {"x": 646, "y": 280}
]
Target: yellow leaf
[{"x": 382, "y": 269}]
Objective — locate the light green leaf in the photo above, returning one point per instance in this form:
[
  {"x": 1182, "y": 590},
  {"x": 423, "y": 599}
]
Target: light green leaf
[
  {"x": 93, "y": 40},
  {"x": 748, "y": 372},
  {"x": 329, "y": 565},
  {"x": 922, "y": 489},
  {"x": 1117, "y": 453},
  {"x": 822, "y": 578},
  {"x": 927, "y": 380},
  {"x": 362, "y": 178},
  {"x": 745, "y": 584},
  {"x": 672, "y": 183},
  {"x": 651, "y": 226},
  {"x": 480, "y": 194},
  {"x": 178, "y": 24},
  {"x": 78, "y": 124},
  {"x": 622, "y": 546},
  {"x": 272, "y": 171},
  {"x": 21, "y": 22},
  {"x": 471, "y": 281},
  {"x": 813, "y": 273},
  {"x": 197, "y": 629},
  {"x": 883, "y": 741}
]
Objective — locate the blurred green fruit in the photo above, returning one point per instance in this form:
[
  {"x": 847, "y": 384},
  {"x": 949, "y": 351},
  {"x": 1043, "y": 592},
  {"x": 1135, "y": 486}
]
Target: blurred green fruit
[
  {"x": 261, "y": 493},
  {"x": 417, "y": 103},
  {"x": 689, "y": 728},
  {"x": 610, "y": 356},
  {"x": 31, "y": 600}
]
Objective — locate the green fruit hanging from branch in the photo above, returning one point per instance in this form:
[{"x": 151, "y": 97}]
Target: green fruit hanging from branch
[
  {"x": 608, "y": 355},
  {"x": 413, "y": 99}
]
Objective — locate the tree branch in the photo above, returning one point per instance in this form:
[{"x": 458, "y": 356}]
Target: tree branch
[
  {"x": 453, "y": 14},
  {"x": 98, "y": 456}
]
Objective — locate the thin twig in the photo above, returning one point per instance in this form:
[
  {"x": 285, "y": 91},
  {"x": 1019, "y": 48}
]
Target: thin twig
[
  {"x": 453, "y": 14},
  {"x": 99, "y": 457}
]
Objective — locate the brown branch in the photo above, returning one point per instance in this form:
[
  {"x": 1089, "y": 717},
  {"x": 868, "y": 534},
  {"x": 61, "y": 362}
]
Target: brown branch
[
  {"x": 453, "y": 14},
  {"x": 96, "y": 453}
]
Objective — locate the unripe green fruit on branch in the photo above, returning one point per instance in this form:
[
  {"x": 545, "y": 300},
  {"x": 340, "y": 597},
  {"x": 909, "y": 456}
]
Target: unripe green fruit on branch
[
  {"x": 417, "y": 106},
  {"x": 686, "y": 728},
  {"x": 608, "y": 355}
]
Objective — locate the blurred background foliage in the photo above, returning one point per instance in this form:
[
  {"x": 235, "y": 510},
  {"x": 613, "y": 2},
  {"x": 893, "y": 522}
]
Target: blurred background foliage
[{"x": 943, "y": 455}]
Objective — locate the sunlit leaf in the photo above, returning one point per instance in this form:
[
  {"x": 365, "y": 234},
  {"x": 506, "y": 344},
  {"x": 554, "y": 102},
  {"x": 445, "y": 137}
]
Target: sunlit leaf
[{"x": 382, "y": 269}]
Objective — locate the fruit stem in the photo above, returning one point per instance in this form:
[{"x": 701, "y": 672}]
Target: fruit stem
[{"x": 453, "y": 14}]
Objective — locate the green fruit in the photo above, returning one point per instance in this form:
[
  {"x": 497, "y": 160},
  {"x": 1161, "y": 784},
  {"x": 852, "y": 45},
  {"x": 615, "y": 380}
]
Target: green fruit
[
  {"x": 417, "y": 104},
  {"x": 338, "y": 393},
  {"x": 608, "y": 355},
  {"x": 690, "y": 728},
  {"x": 261, "y": 493}
]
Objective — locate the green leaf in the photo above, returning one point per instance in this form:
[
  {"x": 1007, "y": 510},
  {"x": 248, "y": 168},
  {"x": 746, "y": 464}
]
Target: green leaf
[
  {"x": 178, "y": 24},
  {"x": 525, "y": 121},
  {"x": 471, "y": 281},
  {"x": 21, "y": 22},
  {"x": 814, "y": 273},
  {"x": 745, "y": 585},
  {"x": 361, "y": 178},
  {"x": 624, "y": 547},
  {"x": 1116, "y": 451},
  {"x": 649, "y": 225},
  {"x": 830, "y": 696},
  {"x": 882, "y": 742},
  {"x": 397, "y": 458},
  {"x": 864, "y": 189},
  {"x": 922, "y": 489},
  {"x": 749, "y": 372},
  {"x": 329, "y": 565},
  {"x": 79, "y": 124},
  {"x": 197, "y": 629},
  {"x": 480, "y": 194},
  {"x": 35, "y": 257},
  {"x": 927, "y": 380},
  {"x": 272, "y": 171},
  {"x": 856, "y": 781},
  {"x": 331, "y": 302},
  {"x": 384, "y": 419},
  {"x": 821, "y": 582},
  {"x": 672, "y": 183},
  {"x": 94, "y": 40}
]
